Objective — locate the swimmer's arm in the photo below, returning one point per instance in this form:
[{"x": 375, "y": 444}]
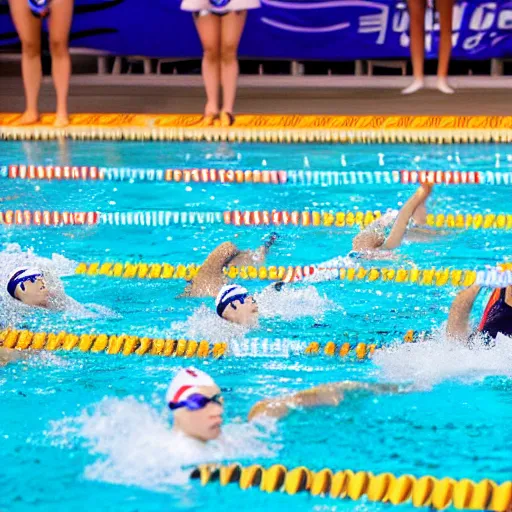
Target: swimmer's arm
[
  {"x": 328, "y": 394},
  {"x": 256, "y": 257},
  {"x": 210, "y": 273},
  {"x": 404, "y": 216},
  {"x": 8, "y": 355},
  {"x": 457, "y": 327}
]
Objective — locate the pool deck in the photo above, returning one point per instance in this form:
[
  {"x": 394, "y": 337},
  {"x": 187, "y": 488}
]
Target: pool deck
[{"x": 335, "y": 95}]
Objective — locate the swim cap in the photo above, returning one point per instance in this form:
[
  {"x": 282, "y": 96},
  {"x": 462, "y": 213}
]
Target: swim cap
[
  {"x": 39, "y": 8},
  {"x": 228, "y": 294},
  {"x": 185, "y": 383},
  {"x": 20, "y": 275}
]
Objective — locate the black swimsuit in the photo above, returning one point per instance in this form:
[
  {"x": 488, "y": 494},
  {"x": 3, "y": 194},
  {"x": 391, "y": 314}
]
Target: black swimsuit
[{"x": 497, "y": 316}]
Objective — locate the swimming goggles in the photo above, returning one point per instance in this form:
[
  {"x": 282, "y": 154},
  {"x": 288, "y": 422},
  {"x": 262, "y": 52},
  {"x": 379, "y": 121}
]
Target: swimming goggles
[
  {"x": 18, "y": 281},
  {"x": 196, "y": 401}
]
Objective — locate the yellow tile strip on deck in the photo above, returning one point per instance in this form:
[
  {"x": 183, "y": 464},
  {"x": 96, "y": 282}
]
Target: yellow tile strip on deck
[{"x": 267, "y": 128}]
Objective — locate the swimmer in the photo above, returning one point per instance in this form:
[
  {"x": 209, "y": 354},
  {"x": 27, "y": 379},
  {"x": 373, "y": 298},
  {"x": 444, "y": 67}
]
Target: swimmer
[
  {"x": 236, "y": 305},
  {"x": 372, "y": 242},
  {"x": 28, "y": 286},
  {"x": 210, "y": 278},
  {"x": 496, "y": 320},
  {"x": 32, "y": 287},
  {"x": 198, "y": 405}
]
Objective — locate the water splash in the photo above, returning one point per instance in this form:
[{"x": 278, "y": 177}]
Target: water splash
[
  {"x": 133, "y": 444},
  {"x": 293, "y": 302},
  {"x": 437, "y": 359},
  {"x": 205, "y": 324}
]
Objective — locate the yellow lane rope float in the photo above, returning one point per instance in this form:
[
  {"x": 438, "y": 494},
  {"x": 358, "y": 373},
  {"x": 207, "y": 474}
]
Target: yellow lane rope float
[
  {"x": 163, "y": 218},
  {"x": 268, "y": 128},
  {"x": 127, "y": 344},
  {"x": 426, "y": 491},
  {"x": 424, "y": 277}
]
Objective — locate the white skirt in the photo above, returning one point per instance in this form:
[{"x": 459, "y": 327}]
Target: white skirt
[{"x": 219, "y": 6}]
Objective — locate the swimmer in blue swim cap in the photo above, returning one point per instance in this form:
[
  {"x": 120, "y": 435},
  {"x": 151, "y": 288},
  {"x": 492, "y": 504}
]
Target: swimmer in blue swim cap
[
  {"x": 28, "y": 286},
  {"x": 211, "y": 278},
  {"x": 236, "y": 305},
  {"x": 197, "y": 403}
]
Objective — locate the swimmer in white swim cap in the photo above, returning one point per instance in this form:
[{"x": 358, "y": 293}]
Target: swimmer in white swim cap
[
  {"x": 198, "y": 405},
  {"x": 28, "y": 285}
]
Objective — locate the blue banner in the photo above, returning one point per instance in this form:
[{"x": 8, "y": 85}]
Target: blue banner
[{"x": 284, "y": 29}]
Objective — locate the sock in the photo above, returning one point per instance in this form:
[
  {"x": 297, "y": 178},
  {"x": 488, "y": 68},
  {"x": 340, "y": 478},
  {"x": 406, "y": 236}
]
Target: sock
[
  {"x": 442, "y": 85},
  {"x": 414, "y": 87}
]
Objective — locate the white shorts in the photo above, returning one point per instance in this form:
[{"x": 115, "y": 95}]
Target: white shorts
[{"x": 230, "y": 5}]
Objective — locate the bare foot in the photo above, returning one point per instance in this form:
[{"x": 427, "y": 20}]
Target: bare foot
[
  {"x": 61, "y": 121},
  {"x": 27, "y": 118}
]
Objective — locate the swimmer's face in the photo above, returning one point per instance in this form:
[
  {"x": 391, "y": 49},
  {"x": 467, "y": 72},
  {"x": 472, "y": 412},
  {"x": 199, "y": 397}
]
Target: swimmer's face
[
  {"x": 368, "y": 241},
  {"x": 204, "y": 424},
  {"x": 33, "y": 293},
  {"x": 242, "y": 313}
]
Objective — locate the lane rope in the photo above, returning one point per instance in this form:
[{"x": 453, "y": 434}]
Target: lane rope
[
  {"x": 127, "y": 344},
  {"x": 264, "y": 176},
  {"x": 495, "y": 277},
  {"x": 152, "y": 218},
  {"x": 426, "y": 491}
]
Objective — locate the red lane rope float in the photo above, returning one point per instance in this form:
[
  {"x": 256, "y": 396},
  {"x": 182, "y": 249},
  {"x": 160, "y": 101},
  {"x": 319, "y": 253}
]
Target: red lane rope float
[
  {"x": 441, "y": 177},
  {"x": 47, "y": 218}
]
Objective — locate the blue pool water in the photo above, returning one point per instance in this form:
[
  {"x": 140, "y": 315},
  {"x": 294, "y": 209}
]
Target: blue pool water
[{"x": 81, "y": 430}]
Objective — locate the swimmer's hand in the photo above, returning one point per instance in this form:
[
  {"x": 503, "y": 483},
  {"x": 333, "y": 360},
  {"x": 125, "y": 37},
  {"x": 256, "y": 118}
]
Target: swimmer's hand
[
  {"x": 271, "y": 239},
  {"x": 278, "y": 286}
]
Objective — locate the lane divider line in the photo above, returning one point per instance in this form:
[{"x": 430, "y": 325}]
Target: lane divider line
[
  {"x": 256, "y": 176},
  {"x": 426, "y": 491}
]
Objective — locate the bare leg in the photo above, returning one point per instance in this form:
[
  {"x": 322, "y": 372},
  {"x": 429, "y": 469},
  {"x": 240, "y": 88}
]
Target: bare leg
[
  {"x": 208, "y": 28},
  {"x": 59, "y": 23},
  {"x": 29, "y": 32},
  {"x": 445, "y": 44},
  {"x": 232, "y": 28},
  {"x": 417, "y": 34}
]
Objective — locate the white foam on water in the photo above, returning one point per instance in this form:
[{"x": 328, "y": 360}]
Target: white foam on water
[
  {"x": 425, "y": 364},
  {"x": 133, "y": 444},
  {"x": 293, "y": 302},
  {"x": 205, "y": 324}
]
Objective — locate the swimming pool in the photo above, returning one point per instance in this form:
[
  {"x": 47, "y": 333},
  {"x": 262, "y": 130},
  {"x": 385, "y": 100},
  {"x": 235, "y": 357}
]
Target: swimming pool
[{"x": 79, "y": 430}]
